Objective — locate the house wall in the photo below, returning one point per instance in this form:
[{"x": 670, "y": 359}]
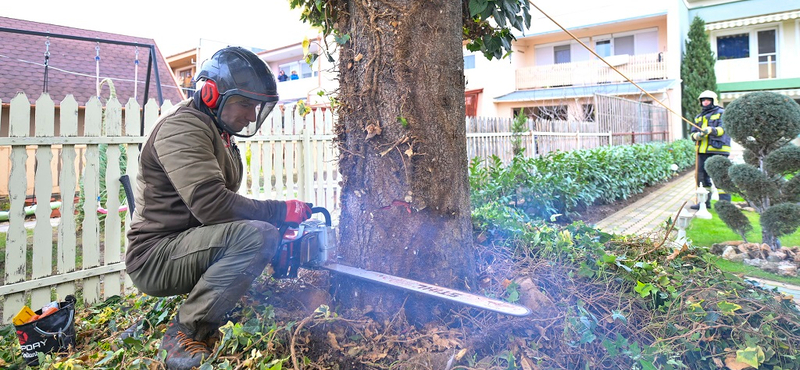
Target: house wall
[
  {"x": 544, "y": 44},
  {"x": 746, "y": 69},
  {"x": 497, "y": 77}
]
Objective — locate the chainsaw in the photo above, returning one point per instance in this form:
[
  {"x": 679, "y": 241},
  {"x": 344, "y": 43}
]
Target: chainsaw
[{"x": 312, "y": 245}]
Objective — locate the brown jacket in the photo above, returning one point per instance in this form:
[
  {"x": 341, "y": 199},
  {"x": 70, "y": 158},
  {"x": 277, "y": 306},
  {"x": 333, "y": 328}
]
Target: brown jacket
[{"x": 188, "y": 177}]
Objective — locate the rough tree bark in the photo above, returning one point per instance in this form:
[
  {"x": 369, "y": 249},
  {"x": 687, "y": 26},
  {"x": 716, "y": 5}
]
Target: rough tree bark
[{"x": 401, "y": 131}]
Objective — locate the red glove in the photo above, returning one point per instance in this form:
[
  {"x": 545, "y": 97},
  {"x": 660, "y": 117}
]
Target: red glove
[{"x": 296, "y": 212}]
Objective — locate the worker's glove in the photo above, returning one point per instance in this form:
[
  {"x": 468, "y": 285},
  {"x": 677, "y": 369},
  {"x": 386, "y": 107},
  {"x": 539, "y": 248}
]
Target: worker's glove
[
  {"x": 697, "y": 136},
  {"x": 296, "y": 212},
  {"x": 708, "y": 130}
]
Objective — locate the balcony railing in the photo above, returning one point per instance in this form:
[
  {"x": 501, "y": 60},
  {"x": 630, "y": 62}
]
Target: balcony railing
[
  {"x": 637, "y": 67},
  {"x": 746, "y": 69}
]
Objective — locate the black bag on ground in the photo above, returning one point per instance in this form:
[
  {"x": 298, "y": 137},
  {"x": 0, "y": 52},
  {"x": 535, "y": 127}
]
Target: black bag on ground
[{"x": 52, "y": 333}]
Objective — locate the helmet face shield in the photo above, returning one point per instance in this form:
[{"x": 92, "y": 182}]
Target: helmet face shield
[
  {"x": 242, "y": 116},
  {"x": 262, "y": 113},
  {"x": 246, "y": 88}
]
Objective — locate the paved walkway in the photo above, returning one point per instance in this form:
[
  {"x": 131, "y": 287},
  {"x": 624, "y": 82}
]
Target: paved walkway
[{"x": 649, "y": 213}]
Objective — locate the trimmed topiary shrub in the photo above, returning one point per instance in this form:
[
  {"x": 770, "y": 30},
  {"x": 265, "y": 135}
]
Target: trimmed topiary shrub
[
  {"x": 734, "y": 218},
  {"x": 764, "y": 123}
]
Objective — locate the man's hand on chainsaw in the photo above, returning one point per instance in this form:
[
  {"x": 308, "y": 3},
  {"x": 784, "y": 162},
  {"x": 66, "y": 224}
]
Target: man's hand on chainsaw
[{"x": 296, "y": 212}]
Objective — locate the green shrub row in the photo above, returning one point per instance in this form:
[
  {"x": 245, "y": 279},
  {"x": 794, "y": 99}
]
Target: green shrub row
[{"x": 564, "y": 183}]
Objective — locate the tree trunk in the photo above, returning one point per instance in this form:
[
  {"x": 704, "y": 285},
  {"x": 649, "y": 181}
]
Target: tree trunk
[
  {"x": 402, "y": 135},
  {"x": 770, "y": 239}
]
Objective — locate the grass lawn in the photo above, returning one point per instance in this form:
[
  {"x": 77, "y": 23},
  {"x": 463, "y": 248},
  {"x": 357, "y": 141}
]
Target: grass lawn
[{"x": 707, "y": 232}]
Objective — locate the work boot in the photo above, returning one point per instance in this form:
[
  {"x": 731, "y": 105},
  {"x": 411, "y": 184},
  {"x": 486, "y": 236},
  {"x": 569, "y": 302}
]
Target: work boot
[{"x": 183, "y": 351}]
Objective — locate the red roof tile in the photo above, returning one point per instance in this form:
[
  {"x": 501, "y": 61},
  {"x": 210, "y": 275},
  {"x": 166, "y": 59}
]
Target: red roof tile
[{"x": 72, "y": 65}]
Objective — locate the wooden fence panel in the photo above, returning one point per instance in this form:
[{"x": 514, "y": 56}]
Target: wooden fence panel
[
  {"x": 67, "y": 237},
  {"x": 90, "y": 230},
  {"x": 42, "y": 260},
  {"x": 113, "y": 224},
  {"x": 277, "y": 159},
  {"x": 16, "y": 237},
  {"x": 289, "y": 150}
]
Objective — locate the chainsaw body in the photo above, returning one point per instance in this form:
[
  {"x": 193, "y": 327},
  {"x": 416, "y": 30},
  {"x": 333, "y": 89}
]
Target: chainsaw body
[{"x": 311, "y": 245}]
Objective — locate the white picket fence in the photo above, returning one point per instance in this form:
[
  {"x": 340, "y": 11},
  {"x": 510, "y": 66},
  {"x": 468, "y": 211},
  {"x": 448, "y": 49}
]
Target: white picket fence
[
  {"x": 288, "y": 153},
  {"x": 292, "y": 156},
  {"x": 488, "y": 136}
]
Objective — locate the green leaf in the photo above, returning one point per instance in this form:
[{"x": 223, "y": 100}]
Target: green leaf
[
  {"x": 728, "y": 308},
  {"x": 617, "y": 315},
  {"x": 341, "y": 39},
  {"x": 477, "y": 6},
  {"x": 752, "y": 356},
  {"x": 588, "y": 337},
  {"x": 643, "y": 289}
]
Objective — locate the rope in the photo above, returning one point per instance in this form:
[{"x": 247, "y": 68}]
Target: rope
[
  {"x": 612, "y": 67},
  {"x": 97, "y": 67},
  {"x": 46, "y": 63}
]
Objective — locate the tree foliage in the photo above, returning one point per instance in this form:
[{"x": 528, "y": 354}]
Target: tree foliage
[
  {"x": 487, "y": 23},
  {"x": 732, "y": 216},
  {"x": 764, "y": 123},
  {"x": 697, "y": 68}
]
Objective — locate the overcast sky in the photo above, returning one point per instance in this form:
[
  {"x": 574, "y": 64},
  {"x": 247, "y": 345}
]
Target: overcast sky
[{"x": 176, "y": 26}]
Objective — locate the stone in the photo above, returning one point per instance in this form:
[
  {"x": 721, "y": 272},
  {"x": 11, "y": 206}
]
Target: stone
[
  {"x": 753, "y": 250},
  {"x": 530, "y": 296},
  {"x": 787, "y": 269},
  {"x": 729, "y": 252},
  {"x": 738, "y": 258},
  {"x": 776, "y": 256},
  {"x": 772, "y": 267},
  {"x": 757, "y": 262}
]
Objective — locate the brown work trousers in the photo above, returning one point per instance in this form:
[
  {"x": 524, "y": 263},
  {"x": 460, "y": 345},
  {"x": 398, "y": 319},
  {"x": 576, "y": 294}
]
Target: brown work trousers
[{"x": 214, "y": 264}]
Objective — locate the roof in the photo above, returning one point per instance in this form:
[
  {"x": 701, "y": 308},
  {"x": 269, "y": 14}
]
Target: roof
[
  {"x": 626, "y": 88},
  {"x": 72, "y": 64}
]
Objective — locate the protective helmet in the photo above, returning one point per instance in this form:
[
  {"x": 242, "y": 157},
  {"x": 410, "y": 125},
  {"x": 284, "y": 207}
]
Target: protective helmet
[
  {"x": 708, "y": 94},
  {"x": 237, "y": 71}
]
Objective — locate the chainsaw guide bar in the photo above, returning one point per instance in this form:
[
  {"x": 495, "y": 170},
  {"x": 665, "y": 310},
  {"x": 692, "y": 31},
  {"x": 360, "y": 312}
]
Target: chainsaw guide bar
[{"x": 453, "y": 295}]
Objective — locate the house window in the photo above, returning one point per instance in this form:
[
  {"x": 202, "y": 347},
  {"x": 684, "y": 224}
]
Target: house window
[
  {"x": 561, "y": 54},
  {"x": 300, "y": 67},
  {"x": 603, "y": 48},
  {"x": 623, "y": 45},
  {"x": 469, "y": 62},
  {"x": 767, "y": 54},
  {"x": 551, "y": 112},
  {"x": 733, "y": 46},
  {"x": 588, "y": 113}
]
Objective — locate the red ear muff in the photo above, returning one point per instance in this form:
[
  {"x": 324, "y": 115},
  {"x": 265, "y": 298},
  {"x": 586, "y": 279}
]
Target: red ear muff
[{"x": 210, "y": 94}]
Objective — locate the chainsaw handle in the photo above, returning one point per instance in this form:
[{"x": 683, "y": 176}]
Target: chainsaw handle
[
  {"x": 282, "y": 230},
  {"x": 324, "y": 212}
]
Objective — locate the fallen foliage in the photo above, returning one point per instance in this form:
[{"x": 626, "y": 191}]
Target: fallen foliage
[{"x": 599, "y": 302}]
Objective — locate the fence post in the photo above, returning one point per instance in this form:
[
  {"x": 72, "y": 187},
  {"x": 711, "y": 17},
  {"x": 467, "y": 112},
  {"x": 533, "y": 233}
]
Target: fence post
[{"x": 306, "y": 170}]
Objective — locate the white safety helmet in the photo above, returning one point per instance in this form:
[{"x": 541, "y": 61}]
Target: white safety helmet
[{"x": 708, "y": 94}]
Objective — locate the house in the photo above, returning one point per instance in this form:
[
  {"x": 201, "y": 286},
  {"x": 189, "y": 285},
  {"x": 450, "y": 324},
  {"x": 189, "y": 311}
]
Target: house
[
  {"x": 756, "y": 42},
  {"x": 76, "y": 60},
  {"x": 183, "y": 66},
  {"x": 311, "y": 78},
  {"x": 38, "y": 57},
  {"x": 552, "y": 76},
  {"x": 314, "y": 81}
]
